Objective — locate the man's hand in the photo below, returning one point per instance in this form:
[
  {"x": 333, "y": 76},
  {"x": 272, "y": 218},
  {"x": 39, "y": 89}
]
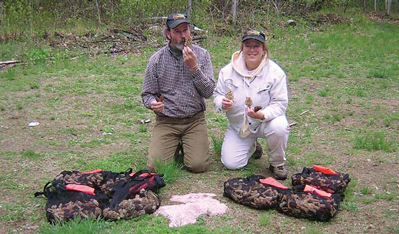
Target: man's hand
[
  {"x": 227, "y": 104},
  {"x": 256, "y": 115},
  {"x": 157, "y": 106},
  {"x": 190, "y": 59}
]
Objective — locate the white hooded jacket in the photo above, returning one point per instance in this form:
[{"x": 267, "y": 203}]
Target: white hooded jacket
[{"x": 266, "y": 85}]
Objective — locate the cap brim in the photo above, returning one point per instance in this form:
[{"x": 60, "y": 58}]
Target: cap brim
[
  {"x": 175, "y": 23},
  {"x": 253, "y": 37}
]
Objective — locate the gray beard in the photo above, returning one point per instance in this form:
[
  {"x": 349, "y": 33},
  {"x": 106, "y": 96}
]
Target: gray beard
[{"x": 178, "y": 46}]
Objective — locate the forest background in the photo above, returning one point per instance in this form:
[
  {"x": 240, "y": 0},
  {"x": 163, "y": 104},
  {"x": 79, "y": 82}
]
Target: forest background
[{"x": 70, "y": 80}]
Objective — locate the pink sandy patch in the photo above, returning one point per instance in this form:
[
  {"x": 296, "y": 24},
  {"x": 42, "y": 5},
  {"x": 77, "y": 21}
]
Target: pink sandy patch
[{"x": 196, "y": 204}]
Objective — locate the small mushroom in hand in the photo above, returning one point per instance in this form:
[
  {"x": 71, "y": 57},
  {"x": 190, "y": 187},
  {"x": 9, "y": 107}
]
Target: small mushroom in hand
[
  {"x": 229, "y": 95},
  {"x": 189, "y": 41},
  {"x": 257, "y": 108},
  {"x": 248, "y": 101},
  {"x": 159, "y": 97}
]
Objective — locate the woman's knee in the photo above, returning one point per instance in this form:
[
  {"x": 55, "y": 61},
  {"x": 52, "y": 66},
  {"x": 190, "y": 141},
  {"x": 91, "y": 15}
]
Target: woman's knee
[
  {"x": 279, "y": 126},
  {"x": 232, "y": 164}
]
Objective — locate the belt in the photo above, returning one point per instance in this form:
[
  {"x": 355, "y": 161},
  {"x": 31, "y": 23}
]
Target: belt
[{"x": 164, "y": 119}]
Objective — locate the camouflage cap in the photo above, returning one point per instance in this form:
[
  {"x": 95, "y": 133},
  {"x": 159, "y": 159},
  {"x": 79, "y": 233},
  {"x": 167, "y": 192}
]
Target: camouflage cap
[
  {"x": 175, "y": 19},
  {"x": 254, "y": 34}
]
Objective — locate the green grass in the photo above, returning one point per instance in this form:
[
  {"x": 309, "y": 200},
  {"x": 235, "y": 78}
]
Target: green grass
[
  {"x": 140, "y": 225},
  {"x": 386, "y": 196},
  {"x": 366, "y": 190},
  {"x": 266, "y": 219},
  {"x": 31, "y": 154},
  {"x": 217, "y": 144},
  {"x": 171, "y": 170},
  {"x": 374, "y": 141}
]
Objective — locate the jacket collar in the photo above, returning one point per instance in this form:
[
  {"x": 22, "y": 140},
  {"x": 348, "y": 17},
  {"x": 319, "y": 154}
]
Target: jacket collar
[{"x": 238, "y": 62}]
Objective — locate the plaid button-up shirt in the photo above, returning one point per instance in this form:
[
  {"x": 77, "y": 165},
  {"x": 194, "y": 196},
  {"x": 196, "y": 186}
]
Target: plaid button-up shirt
[{"x": 183, "y": 91}]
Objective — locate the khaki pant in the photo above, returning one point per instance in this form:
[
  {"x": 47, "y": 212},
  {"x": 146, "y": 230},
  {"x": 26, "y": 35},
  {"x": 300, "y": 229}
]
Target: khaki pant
[{"x": 166, "y": 135}]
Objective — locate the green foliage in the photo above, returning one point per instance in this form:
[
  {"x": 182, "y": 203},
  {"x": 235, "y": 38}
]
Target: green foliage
[
  {"x": 265, "y": 219},
  {"x": 140, "y": 225},
  {"x": 31, "y": 154},
  {"x": 37, "y": 55},
  {"x": 217, "y": 144},
  {"x": 366, "y": 190},
  {"x": 309, "y": 99},
  {"x": 374, "y": 141},
  {"x": 117, "y": 161},
  {"x": 171, "y": 170},
  {"x": 89, "y": 226},
  {"x": 324, "y": 92},
  {"x": 143, "y": 128},
  {"x": 386, "y": 196}
]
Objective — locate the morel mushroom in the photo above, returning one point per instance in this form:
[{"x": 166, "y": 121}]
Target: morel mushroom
[
  {"x": 248, "y": 101},
  {"x": 159, "y": 97},
  {"x": 189, "y": 41},
  {"x": 257, "y": 108},
  {"x": 229, "y": 95}
]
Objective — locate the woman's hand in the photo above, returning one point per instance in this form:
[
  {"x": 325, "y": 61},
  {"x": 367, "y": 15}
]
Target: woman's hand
[
  {"x": 157, "y": 106},
  {"x": 227, "y": 104},
  {"x": 256, "y": 115}
]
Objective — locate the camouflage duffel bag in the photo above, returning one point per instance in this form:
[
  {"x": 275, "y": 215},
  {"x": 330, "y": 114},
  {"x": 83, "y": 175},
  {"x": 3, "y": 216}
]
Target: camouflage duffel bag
[
  {"x": 100, "y": 193},
  {"x": 308, "y": 205},
  {"x": 135, "y": 196},
  {"x": 321, "y": 178},
  {"x": 266, "y": 193},
  {"x": 66, "y": 202},
  {"x": 251, "y": 192},
  {"x": 103, "y": 180},
  {"x": 145, "y": 202}
]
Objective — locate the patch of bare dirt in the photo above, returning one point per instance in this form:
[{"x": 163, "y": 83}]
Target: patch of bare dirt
[{"x": 379, "y": 17}]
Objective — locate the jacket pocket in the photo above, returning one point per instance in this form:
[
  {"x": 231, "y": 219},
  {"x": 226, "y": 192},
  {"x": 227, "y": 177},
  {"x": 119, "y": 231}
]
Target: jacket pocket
[{"x": 263, "y": 96}]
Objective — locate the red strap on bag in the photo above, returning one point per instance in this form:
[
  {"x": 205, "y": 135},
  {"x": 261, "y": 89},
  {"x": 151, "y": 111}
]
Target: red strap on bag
[
  {"x": 143, "y": 175},
  {"x": 80, "y": 188},
  {"x": 272, "y": 182},
  {"x": 324, "y": 170},
  {"x": 318, "y": 192},
  {"x": 92, "y": 172}
]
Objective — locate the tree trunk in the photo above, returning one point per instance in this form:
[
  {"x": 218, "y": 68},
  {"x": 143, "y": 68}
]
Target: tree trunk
[
  {"x": 1, "y": 10},
  {"x": 375, "y": 5},
  {"x": 388, "y": 4},
  {"x": 189, "y": 8},
  {"x": 98, "y": 13},
  {"x": 234, "y": 11},
  {"x": 364, "y": 5},
  {"x": 346, "y": 5},
  {"x": 276, "y": 5}
]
